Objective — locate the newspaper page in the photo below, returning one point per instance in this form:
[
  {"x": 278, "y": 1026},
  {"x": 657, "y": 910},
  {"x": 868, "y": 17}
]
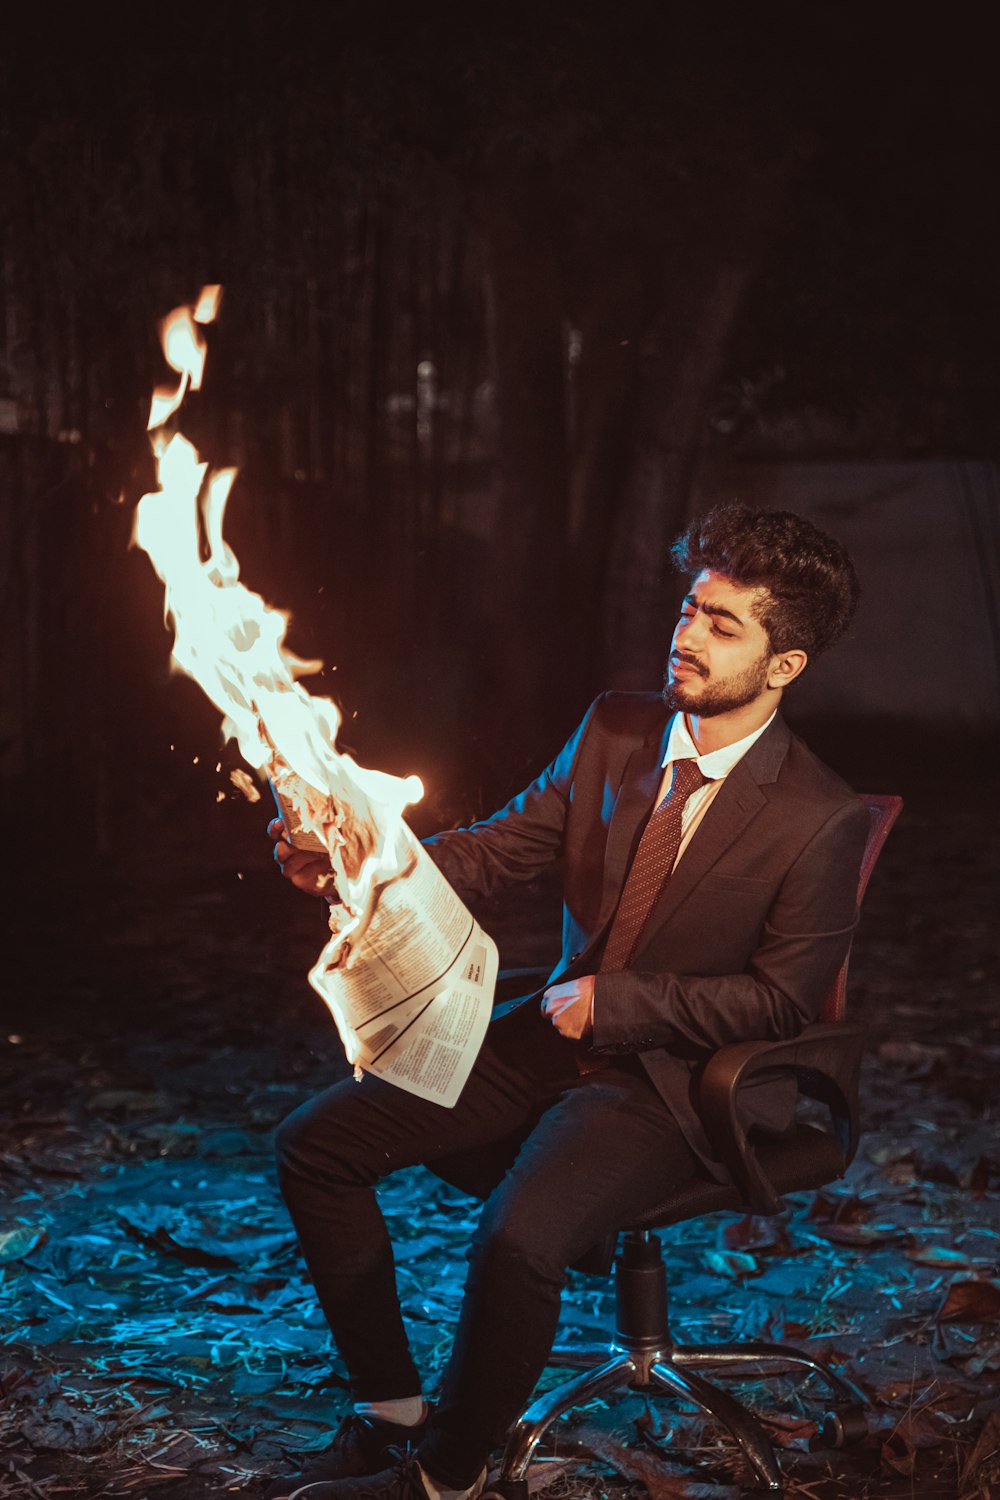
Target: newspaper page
[
  {"x": 417, "y": 995},
  {"x": 410, "y": 984}
]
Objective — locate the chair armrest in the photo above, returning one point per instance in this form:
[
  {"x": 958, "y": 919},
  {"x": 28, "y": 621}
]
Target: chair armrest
[{"x": 826, "y": 1059}]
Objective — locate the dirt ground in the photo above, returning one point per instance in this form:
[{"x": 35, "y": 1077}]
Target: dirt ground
[{"x": 159, "y": 1333}]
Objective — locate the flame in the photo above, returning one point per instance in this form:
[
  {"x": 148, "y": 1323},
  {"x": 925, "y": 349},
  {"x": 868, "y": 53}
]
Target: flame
[
  {"x": 208, "y": 304},
  {"x": 233, "y": 645}
]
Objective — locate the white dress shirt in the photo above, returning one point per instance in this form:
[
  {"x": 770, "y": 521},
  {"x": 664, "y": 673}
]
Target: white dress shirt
[{"x": 715, "y": 767}]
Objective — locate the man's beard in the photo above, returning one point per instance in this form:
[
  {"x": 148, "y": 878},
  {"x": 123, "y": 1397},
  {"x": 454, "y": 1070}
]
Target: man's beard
[{"x": 718, "y": 697}]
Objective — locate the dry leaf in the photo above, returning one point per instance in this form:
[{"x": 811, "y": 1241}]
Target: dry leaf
[
  {"x": 971, "y": 1301},
  {"x": 15, "y": 1244},
  {"x": 730, "y": 1263}
]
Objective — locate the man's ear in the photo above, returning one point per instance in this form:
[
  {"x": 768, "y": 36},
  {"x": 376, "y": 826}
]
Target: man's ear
[{"x": 785, "y": 668}]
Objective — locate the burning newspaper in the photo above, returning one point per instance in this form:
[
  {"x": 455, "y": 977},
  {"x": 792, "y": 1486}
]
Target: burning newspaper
[{"x": 407, "y": 972}]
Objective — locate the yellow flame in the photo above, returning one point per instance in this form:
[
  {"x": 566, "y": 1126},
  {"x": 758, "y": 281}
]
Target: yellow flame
[
  {"x": 233, "y": 645},
  {"x": 208, "y": 304},
  {"x": 183, "y": 346}
]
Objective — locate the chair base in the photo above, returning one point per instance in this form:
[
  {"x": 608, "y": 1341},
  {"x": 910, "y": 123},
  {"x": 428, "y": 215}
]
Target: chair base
[
  {"x": 655, "y": 1371},
  {"x": 644, "y": 1357},
  {"x": 748, "y": 1354}
]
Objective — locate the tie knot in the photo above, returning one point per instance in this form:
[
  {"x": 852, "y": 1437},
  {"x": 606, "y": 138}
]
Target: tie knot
[{"x": 687, "y": 779}]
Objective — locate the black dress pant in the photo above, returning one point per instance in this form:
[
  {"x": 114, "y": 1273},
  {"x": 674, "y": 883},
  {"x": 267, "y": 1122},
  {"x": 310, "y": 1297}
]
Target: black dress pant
[{"x": 585, "y": 1154}]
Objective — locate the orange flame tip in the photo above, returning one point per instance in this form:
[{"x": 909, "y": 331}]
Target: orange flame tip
[
  {"x": 165, "y": 402},
  {"x": 208, "y": 304}
]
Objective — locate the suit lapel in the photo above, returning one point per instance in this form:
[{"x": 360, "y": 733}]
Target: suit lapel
[
  {"x": 640, "y": 780},
  {"x": 738, "y": 801}
]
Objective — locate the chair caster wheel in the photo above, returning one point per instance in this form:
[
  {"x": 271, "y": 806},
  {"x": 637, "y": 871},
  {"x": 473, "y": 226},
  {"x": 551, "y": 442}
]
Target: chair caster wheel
[{"x": 843, "y": 1426}]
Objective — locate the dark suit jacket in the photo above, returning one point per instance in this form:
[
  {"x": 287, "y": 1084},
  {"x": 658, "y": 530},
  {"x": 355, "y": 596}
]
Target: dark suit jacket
[{"x": 748, "y": 934}]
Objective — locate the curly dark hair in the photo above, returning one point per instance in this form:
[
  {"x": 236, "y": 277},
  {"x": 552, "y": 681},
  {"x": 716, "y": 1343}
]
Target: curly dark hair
[{"x": 810, "y": 587}]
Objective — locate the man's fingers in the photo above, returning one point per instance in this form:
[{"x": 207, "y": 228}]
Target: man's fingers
[
  {"x": 309, "y": 871},
  {"x": 568, "y": 1005}
]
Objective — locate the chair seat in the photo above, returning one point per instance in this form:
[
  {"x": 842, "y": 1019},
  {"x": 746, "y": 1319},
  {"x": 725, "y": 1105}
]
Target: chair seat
[{"x": 805, "y": 1158}]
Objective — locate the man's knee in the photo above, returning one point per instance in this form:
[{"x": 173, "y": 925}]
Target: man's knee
[
  {"x": 336, "y": 1139},
  {"x": 310, "y": 1142},
  {"x": 517, "y": 1235},
  {"x": 291, "y": 1137}
]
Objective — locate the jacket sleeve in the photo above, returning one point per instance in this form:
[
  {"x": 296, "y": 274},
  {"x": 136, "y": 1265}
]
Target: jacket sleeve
[
  {"x": 804, "y": 939},
  {"x": 520, "y": 840}
]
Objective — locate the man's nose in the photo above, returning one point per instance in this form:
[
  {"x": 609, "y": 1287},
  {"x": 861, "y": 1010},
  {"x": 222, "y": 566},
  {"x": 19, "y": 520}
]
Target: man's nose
[{"x": 689, "y": 631}]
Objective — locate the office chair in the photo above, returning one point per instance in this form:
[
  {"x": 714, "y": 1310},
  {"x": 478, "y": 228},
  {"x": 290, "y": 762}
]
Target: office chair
[{"x": 643, "y": 1355}]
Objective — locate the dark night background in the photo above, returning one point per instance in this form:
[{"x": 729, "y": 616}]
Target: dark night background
[{"x": 510, "y": 294}]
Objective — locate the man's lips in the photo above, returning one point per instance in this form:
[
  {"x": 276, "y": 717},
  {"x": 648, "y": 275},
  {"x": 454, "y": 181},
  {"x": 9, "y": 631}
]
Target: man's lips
[{"x": 679, "y": 668}]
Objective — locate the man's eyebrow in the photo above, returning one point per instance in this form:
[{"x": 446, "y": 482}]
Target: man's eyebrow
[{"x": 715, "y": 609}]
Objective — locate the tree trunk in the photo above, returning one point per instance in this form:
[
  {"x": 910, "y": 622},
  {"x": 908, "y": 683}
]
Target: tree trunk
[
  {"x": 526, "y": 594},
  {"x": 604, "y": 395},
  {"x": 673, "y": 410}
]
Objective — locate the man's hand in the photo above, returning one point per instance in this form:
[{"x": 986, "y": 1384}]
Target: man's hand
[
  {"x": 304, "y": 868},
  {"x": 570, "y": 1006}
]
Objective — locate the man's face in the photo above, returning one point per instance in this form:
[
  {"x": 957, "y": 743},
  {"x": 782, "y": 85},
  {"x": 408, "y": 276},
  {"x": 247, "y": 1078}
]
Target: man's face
[{"x": 720, "y": 656}]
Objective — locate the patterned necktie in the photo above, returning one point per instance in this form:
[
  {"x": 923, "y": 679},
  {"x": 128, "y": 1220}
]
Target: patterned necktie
[{"x": 651, "y": 867}]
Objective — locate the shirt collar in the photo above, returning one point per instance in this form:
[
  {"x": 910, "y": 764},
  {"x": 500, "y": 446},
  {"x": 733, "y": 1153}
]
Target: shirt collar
[{"x": 717, "y": 763}]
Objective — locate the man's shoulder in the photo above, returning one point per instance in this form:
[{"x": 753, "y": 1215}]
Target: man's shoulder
[
  {"x": 615, "y": 726},
  {"x": 805, "y": 776},
  {"x": 632, "y": 714}
]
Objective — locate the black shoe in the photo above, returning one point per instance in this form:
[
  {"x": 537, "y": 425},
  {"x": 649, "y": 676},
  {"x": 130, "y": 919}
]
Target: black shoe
[
  {"x": 361, "y": 1445},
  {"x": 402, "y": 1482}
]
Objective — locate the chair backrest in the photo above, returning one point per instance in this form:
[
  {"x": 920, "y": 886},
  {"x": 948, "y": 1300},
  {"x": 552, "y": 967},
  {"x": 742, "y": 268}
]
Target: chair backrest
[{"x": 882, "y": 813}]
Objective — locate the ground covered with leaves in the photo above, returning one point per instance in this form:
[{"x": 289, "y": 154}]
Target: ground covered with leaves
[{"x": 159, "y": 1335}]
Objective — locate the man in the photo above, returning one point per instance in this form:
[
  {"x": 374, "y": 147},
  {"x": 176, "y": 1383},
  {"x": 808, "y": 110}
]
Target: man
[{"x": 711, "y": 864}]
